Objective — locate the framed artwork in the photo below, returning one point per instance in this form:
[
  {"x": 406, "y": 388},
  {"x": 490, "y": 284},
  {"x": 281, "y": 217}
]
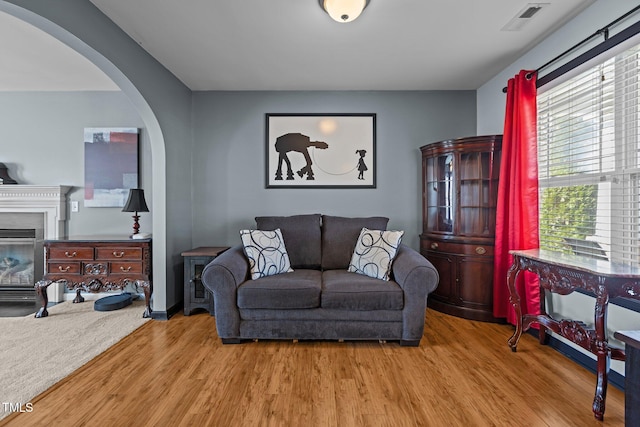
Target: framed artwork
[
  {"x": 110, "y": 165},
  {"x": 320, "y": 151}
]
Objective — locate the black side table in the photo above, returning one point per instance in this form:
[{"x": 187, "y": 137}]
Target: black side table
[
  {"x": 631, "y": 340},
  {"x": 195, "y": 294}
]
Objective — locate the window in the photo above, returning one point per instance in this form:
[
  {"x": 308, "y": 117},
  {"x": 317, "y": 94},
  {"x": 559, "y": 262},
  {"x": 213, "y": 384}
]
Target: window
[{"x": 589, "y": 161}]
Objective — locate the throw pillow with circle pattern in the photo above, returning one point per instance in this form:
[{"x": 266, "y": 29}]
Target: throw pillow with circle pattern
[
  {"x": 266, "y": 252},
  {"x": 374, "y": 253}
]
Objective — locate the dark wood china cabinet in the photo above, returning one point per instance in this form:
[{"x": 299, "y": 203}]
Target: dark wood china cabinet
[{"x": 459, "y": 190}]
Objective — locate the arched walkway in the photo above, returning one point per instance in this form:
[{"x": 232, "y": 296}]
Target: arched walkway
[{"x": 152, "y": 127}]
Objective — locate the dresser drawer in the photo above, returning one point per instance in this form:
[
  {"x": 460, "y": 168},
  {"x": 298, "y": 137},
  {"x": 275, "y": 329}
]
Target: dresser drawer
[
  {"x": 118, "y": 253},
  {"x": 70, "y": 253},
  {"x": 126, "y": 267},
  {"x": 63, "y": 268},
  {"x": 456, "y": 248}
]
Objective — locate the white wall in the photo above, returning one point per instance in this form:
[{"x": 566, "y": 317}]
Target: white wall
[{"x": 491, "y": 105}]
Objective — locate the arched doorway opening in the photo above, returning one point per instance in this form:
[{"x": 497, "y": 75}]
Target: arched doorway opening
[{"x": 152, "y": 127}]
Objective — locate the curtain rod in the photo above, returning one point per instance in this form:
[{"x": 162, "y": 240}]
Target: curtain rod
[{"x": 604, "y": 31}]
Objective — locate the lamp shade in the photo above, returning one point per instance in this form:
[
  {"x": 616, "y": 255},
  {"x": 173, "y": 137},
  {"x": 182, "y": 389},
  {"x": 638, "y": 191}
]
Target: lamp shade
[
  {"x": 136, "y": 202},
  {"x": 344, "y": 10}
]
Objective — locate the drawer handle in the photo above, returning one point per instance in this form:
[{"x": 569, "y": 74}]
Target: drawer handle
[
  {"x": 118, "y": 254},
  {"x": 70, "y": 255},
  {"x": 65, "y": 269},
  {"x": 126, "y": 270},
  {"x": 480, "y": 250},
  {"x": 434, "y": 245}
]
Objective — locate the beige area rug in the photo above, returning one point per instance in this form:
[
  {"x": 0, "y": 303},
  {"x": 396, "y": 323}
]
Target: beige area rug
[{"x": 37, "y": 353}]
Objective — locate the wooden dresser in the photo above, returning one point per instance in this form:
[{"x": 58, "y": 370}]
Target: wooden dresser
[{"x": 96, "y": 263}]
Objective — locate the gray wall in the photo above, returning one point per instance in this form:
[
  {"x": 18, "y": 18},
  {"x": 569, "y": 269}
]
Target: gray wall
[
  {"x": 228, "y": 157},
  {"x": 491, "y": 106},
  {"x": 41, "y": 135}
]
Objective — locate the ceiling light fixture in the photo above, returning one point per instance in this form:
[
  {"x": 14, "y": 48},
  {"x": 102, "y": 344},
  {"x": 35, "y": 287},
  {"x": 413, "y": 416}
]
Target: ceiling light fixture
[{"x": 343, "y": 10}]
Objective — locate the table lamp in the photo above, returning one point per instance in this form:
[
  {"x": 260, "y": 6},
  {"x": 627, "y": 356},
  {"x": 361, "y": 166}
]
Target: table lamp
[{"x": 136, "y": 203}]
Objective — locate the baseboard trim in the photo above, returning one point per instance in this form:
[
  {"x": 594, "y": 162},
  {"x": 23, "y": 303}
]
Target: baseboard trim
[
  {"x": 615, "y": 379},
  {"x": 166, "y": 315},
  {"x": 159, "y": 315}
]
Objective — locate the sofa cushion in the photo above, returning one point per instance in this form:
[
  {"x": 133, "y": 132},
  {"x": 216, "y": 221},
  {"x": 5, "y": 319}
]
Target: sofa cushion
[
  {"x": 374, "y": 253},
  {"x": 301, "y": 235},
  {"x": 351, "y": 291},
  {"x": 339, "y": 236},
  {"x": 298, "y": 289},
  {"x": 266, "y": 252}
]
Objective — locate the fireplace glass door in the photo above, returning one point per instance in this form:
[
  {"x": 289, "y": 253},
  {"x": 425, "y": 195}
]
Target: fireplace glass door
[{"x": 17, "y": 262}]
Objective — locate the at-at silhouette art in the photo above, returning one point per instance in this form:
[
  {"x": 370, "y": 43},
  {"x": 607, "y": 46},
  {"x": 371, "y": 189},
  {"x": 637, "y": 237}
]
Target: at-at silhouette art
[{"x": 300, "y": 143}]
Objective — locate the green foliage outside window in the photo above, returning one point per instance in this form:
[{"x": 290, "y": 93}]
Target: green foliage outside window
[{"x": 567, "y": 212}]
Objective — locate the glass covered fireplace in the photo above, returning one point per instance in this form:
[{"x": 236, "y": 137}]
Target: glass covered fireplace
[
  {"x": 23, "y": 209},
  {"x": 21, "y": 258}
]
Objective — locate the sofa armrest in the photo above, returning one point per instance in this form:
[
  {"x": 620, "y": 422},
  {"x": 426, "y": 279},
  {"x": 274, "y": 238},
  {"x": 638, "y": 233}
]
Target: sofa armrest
[
  {"x": 221, "y": 277},
  {"x": 411, "y": 269},
  {"x": 418, "y": 278}
]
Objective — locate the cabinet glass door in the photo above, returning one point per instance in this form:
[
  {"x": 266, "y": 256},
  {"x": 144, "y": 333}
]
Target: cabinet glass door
[
  {"x": 439, "y": 190},
  {"x": 199, "y": 291},
  {"x": 478, "y": 188}
]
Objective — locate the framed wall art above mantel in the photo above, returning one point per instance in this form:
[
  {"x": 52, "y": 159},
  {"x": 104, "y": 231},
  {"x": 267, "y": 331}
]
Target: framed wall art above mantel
[
  {"x": 110, "y": 165},
  {"x": 320, "y": 151}
]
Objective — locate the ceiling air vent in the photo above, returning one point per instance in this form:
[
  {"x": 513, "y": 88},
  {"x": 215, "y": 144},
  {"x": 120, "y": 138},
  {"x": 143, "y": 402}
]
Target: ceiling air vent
[
  {"x": 530, "y": 12},
  {"x": 524, "y": 16}
]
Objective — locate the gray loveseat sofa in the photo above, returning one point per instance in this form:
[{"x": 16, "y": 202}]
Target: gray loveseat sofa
[{"x": 320, "y": 299}]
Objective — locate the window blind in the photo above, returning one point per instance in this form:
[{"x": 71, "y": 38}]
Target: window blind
[{"x": 589, "y": 161}]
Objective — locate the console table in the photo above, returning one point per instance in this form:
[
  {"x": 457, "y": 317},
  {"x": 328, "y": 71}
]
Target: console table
[
  {"x": 96, "y": 263},
  {"x": 563, "y": 274}
]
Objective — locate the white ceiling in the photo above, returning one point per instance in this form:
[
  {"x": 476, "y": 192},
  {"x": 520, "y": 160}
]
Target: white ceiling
[{"x": 294, "y": 44}]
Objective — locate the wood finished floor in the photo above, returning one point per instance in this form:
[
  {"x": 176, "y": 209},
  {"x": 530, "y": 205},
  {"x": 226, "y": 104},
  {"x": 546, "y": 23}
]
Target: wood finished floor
[{"x": 177, "y": 373}]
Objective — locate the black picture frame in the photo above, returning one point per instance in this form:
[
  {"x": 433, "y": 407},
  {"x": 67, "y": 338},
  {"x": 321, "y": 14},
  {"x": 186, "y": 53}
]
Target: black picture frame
[{"x": 320, "y": 150}]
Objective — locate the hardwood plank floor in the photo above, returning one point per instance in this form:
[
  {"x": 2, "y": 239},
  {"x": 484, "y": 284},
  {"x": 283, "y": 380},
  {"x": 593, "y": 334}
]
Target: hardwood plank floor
[{"x": 177, "y": 373}]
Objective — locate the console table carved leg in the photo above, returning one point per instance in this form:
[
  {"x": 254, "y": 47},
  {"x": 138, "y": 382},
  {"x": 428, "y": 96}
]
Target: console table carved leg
[
  {"x": 147, "y": 287},
  {"x": 514, "y": 299},
  {"x": 78, "y": 298},
  {"x": 41, "y": 291},
  {"x": 543, "y": 337},
  {"x": 602, "y": 353}
]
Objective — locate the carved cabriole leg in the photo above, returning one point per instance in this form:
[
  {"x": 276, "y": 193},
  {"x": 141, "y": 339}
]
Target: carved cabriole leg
[
  {"x": 78, "y": 298},
  {"x": 542, "y": 332},
  {"x": 147, "y": 287},
  {"x": 602, "y": 352},
  {"x": 514, "y": 299},
  {"x": 41, "y": 291}
]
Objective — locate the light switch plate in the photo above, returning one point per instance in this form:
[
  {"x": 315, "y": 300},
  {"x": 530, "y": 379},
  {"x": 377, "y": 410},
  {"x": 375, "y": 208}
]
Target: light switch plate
[{"x": 75, "y": 206}]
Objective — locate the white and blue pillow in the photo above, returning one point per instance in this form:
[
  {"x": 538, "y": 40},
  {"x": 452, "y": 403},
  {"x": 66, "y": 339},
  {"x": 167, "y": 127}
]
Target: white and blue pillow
[
  {"x": 266, "y": 252},
  {"x": 374, "y": 253}
]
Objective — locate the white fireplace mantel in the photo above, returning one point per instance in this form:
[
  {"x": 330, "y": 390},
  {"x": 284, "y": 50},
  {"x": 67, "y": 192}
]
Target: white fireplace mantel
[{"x": 51, "y": 200}]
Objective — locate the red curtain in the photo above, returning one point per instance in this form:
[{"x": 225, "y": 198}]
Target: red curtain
[{"x": 517, "y": 210}]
